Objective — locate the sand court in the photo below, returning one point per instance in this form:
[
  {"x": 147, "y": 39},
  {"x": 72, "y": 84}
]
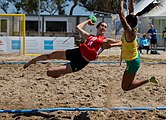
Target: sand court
[{"x": 97, "y": 85}]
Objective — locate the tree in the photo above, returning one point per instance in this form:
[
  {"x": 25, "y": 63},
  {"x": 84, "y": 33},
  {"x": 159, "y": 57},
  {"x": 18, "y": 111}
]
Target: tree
[
  {"x": 74, "y": 5},
  {"x": 83, "y": 3},
  {"x": 58, "y": 6},
  {"x": 28, "y": 6},
  {"x": 4, "y": 5},
  {"x": 31, "y": 6},
  {"x": 54, "y": 6},
  {"x": 108, "y": 6}
]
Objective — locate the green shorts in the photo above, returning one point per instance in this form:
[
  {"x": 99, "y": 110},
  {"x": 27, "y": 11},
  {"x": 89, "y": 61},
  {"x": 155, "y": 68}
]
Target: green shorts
[{"x": 133, "y": 66}]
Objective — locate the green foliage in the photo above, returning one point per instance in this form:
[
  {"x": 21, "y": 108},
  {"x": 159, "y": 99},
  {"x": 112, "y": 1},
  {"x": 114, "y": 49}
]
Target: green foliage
[
  {"x": 4, "y": 5},
  {"x": 26, "y": 6},
  {"x": 54, "y": 6},
  {"x": 109, "y": 6},
  {"x": 30, "y": 7}
]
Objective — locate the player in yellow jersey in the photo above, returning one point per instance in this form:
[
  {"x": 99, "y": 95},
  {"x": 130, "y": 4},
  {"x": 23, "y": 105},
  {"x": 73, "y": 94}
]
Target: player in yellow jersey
[
  {"x": 129, "y": 49},
  {"x": 164, "y": 38}
]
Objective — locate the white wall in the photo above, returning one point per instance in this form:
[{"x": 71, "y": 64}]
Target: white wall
[{"x": 35, "y": 45}]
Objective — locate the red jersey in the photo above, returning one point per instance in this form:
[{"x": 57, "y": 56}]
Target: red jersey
[{"x": 92, "y": 47}]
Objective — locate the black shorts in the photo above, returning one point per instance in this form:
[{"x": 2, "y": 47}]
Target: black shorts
[
  {"x": 77, "y": 62},
  {"x": 153, "y": 41}
]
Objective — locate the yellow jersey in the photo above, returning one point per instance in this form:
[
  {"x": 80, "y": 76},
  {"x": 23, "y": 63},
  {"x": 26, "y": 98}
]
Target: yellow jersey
[
  {"x": 129, "y": 49},
  {"x": 164, "y": 34}
]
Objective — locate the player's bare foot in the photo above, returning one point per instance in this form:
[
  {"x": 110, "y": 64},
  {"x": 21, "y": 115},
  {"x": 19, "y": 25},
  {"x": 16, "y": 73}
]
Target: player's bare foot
[{"x": 29, "y": 63}]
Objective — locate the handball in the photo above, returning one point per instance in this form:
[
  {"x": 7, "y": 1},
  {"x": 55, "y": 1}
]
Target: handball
[{"x": 93, "y": 18}]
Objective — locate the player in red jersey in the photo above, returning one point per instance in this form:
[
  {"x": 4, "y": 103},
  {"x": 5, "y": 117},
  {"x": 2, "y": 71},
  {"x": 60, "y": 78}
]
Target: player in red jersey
[{"x": 81, "y": 56}]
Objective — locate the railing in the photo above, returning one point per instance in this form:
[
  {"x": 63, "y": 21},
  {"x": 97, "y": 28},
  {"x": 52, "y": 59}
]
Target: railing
[{"x": 51, "y": 34}]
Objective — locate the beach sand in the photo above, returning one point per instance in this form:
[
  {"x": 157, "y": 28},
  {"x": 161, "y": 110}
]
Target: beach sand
[{"x": 97, "y": 85}]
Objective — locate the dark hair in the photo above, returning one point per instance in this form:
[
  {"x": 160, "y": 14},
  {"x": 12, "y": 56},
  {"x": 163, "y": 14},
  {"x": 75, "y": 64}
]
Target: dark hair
[
  {"x": 144, "y": 35},
  {"x": 97, "y": 26},
  {"x": 133, "y": 20}
]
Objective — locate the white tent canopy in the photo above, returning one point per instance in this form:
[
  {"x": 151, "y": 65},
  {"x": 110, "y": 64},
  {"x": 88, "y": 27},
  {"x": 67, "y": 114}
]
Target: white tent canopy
[{"x": 158, "y": 11}]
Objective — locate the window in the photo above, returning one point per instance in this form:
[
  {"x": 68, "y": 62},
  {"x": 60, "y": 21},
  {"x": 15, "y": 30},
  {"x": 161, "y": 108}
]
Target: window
[
  {"x": 56, "y": 26},
  {"x": 3, "y": 25},
  {"x": 32, "y": 26}
]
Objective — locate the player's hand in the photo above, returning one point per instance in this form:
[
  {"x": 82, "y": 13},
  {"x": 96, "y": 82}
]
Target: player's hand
[{"x": 90, "y": 22}]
